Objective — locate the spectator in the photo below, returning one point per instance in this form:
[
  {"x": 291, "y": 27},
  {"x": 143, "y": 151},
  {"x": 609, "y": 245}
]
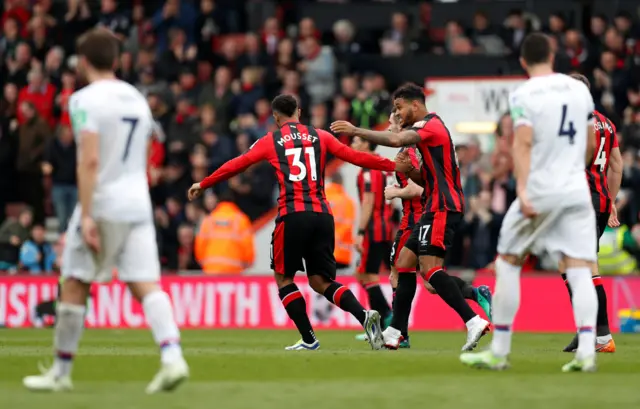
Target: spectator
[
  {"x": 40, "y": 42},
  {"x": 41, "y": 94},
  {"x": 282, "y": 62},
  {"x": 62, "y": 99},
  {"x": 481, "y": 227},
  {"x": 218, "y": 94},
  {"x": 189, "y": 88},
  {"x": 598, "y": 26},
  {"x": 181, "y": 134},
  {"x": 178, "y": 54},
  {"x": 34, "y": 135},
  {"x": 60, "y": 164},
  {"x": 36, "y": 255},
  {"x": 557, "y": 26},
  {"x": 210, "y": 23},
  {"x": 10, "y": 38},
  {"x": 109, "y": 17},
  {"x": 184, "y": 258},
  {"x": 219, "y": 149},
  {"x": 208, "y": 121},
  {"x": 271, "y": 35},
  {"x": 174, "y": 14},
  {"x": 12, "y": 234},
  {"x": 126, "y": 70},
  {"x": 398, "y": 40},
  {"x": 9, "y": 104},
  {"x": 253, "y": 56},
  {"x": 610, "y": 88},
  {"x": 224, "y": 244},
  {"x": 18, "y": 66},
  {"x": 8, "y": 149},
  {"x": 577, "y": 52},
  {"x": 517, "y": 30},
  {"x": 19, "y": 11},
  {"x": 345, "y": 47},
  {"x": 53, "y": 65},
  {"x": 307, "y": 29},
  {"x": 77, "y": 20},
  {"x": 485, "y": 36},
  {"x": 251, "y": 91},
  {"x": 150, "y": 85},
  {"x": 318, "y": 68}
]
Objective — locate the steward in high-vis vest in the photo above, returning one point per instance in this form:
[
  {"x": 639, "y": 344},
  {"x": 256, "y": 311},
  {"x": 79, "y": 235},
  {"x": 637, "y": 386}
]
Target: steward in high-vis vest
[
  {"x": 344, "y": 215},
  {"x": 617, "y": 246},
  {"x": 224, "y": 244}
]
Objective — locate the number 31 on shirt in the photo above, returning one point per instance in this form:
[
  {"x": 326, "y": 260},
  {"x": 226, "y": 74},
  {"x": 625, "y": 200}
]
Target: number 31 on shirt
[{"x": 300, "y": 165}]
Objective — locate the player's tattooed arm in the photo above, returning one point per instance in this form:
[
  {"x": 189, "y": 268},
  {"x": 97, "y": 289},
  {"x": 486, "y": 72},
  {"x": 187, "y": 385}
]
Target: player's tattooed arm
[{"x": 384, "y": 138}]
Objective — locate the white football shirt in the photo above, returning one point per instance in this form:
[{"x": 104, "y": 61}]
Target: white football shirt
[
  {"x": 559, "y": 109},
  {"x": 121, "y": 116}
]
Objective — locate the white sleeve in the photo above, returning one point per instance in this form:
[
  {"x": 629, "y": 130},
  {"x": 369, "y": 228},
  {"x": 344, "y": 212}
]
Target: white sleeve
[
  {"x": 83, "y": 118},
  {"x": 591, "y": 106},
  {"x": 520, "y": 112}
]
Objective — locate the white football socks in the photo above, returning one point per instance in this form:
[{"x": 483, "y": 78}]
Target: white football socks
[
  {"x": 506, "y": 302},
  {"x": 585, "y": 309},
  {"x": 67, "y": 333},
  {"x": 159, "y": 314}
]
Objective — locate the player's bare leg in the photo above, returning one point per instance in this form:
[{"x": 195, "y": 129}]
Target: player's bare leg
[
  {"x": 343, "y": 298},
  {"x": 446, "y": 287},
  {"x": 69, "y": 326},
  {"x": 604, "y": 340},
  {"x": 296, "y": 307},
  {"x": 585, "y": 311},
  {"x": 405, "y": 266},
  {"x": 506, "y": 301},
  {"x": 481, "y": 294},
  {"x": 159, "y": 314}
]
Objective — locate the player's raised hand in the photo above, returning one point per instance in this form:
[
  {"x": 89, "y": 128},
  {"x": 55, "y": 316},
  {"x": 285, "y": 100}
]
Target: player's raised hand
[
  {"x": 90, "y": 234},
  {"x": 194, "y": 192},
  {"x": 343, "y": 127},
  {"x": 613, "y": 218},
  {"x": 391, "y": 192}
]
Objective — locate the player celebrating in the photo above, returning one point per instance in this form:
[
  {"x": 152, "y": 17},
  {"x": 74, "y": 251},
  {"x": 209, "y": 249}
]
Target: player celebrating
[
  {"x": 442, "y": 212},
  {"x": 304, "y": 225},
  {"x": 604, "y": 175},
  {"x": 373, "y": 241},
  {"x": 554, "y": 137},
  {"x": 113, "y": 224}
]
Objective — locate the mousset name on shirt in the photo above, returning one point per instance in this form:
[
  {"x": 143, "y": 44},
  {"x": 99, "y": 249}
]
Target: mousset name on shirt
[
  {"x": 602, "y": 125},
  {"x": 296, "y": 136}
]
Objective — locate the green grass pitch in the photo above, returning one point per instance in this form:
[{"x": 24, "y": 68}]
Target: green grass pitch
[{"x": 249, "y": 370}]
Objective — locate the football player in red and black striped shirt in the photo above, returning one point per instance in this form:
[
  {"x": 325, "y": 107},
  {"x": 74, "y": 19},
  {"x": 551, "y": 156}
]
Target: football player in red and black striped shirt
[
  {"x": 304, "y": 225},
  {"x": 375, "y": 230},
  {"x": 443, "y": 208},
  {"x": 411, "y": 195},
  {"x": 604, "y": 176}
]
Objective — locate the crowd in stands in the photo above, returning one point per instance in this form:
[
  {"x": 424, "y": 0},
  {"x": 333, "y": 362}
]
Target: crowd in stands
[{"x": 209, "y": 72}]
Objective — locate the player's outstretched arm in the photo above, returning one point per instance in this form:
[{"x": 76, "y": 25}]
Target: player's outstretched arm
[
  {"x": 410, "y": 191},
  {"x": 614, "y": 174},
  {"x": 384, "y": 138},
  {"x": 362, "y": 159},
  {"x": 256, "y": 153}
]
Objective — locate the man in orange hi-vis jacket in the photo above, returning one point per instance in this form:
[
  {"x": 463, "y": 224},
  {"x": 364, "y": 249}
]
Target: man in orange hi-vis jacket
[
  {"x": 344, "y": 214},
  {"x": 224, "y": 244}
]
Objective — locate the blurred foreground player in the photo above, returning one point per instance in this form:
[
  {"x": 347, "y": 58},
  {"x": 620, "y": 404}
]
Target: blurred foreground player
[
  {"x": 604, "y": 175},
  {"x": 553, "y": 141},
  {"x": 304, "y": 225},
  {"x": 112, "y": 226},
  {"x": 442, "y": 212}
]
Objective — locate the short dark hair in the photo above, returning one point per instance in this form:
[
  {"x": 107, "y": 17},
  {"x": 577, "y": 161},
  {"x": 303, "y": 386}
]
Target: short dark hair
[
  {"x": 285, "y": 104},
  {"x": 581, "y": 78},
  {"x": 100, "y": 47},
  {"x": 410, "y": 92},
  {"x": 535, "y": 49}
]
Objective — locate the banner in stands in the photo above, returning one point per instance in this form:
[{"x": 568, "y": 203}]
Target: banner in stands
[
  {"x": 472, "y": 99},
  {"x": 252, "y": 302}
]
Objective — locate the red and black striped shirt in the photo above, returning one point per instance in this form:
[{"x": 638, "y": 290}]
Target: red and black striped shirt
[
  {"x": 411, "y": 208},
  {"x": 440, "y": 172},
  {"x": 298, "y": 153},
  {"x": 597, "y": 172},
  {"x": 380, "y": 227}
]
